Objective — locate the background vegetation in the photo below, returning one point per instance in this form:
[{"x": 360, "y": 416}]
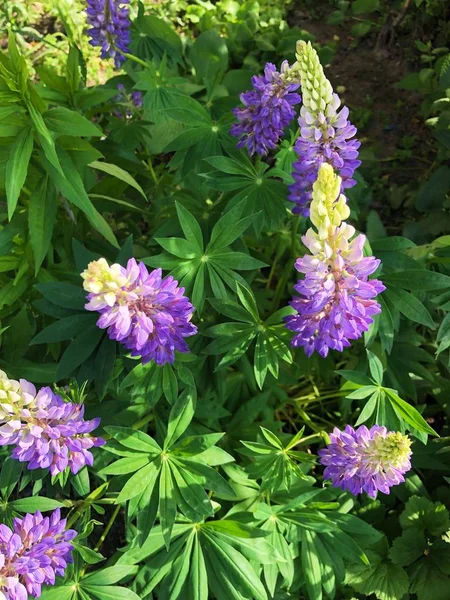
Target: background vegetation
[{"x": 232, "y": 520}]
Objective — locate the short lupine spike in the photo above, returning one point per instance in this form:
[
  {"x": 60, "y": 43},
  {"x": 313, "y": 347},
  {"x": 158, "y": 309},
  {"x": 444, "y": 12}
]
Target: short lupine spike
[{"x": 317, "y": 92}]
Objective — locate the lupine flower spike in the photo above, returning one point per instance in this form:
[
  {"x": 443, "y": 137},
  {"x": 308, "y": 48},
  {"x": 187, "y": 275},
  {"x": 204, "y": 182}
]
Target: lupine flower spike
[
  {"x": 47, "y": 432},
  {"x": 149, "y": 315},
  {"x": 366, "y": 460},
  {"x": 32, "y": 554},
  {"x": 336, "y": 303},
  {"x": 268, "y": 109},
  {"x": 110, "y": 27},
  {"x": 326, "y": 135}
]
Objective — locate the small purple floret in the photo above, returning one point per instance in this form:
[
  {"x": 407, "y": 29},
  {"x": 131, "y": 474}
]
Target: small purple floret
[
  {"x": 366, "y": 460},
  {"x": 110, "y": 27},
  {"x": 33, "y": 553},
  {"x": 268, "y": 110}
]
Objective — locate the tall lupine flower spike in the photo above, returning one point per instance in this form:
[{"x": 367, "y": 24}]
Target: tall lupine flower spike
[
  {"x": 336, "y": 303},
  {"x": 110, "y": 27},
  {"x": 32, "y": 554},
  {"x": 47, "y": 432},
  {"x": 325, "y": 132},
  {"x": 366, "y": 460},
  {"x": 149, "y": 315},
  {"x": 268, "y": 109}
]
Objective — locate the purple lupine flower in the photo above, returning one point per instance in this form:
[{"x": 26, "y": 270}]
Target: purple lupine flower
[
  {"x": 149, "y": 315},
  {"x": 127, "y": 102},
  {"x": 55, "y": 436},
  {"x": 366, "y": 460},
  {"x": 110, "y": 27},
  {"x": 337, "y": 297},
  {"x": 33, "y": 554},
  {"x": 324, "y": 138},
  {"x": 268, "y": 110}
]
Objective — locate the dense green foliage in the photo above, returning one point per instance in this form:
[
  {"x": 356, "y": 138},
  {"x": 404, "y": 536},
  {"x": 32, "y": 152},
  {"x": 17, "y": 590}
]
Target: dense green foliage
[{"x": 209, "y": 484}]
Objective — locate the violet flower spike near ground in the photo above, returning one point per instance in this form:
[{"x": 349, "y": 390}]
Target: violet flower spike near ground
[
  {"x": 109, "y": 23},
  {"x": 268, "y": 110},
  {"x": 366, "y": 460},
  {"x": 148, "y": 314},
  {"x": 336, "y": 303},
  {"x": 56, "y": 436},
  {"x": 33, "y": 553},
  {"x": 326, "y": 134},
  {"x": 47, "y": 432}
]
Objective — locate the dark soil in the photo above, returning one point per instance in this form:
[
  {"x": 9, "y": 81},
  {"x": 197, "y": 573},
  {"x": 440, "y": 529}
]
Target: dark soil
[
  {"x": 397, "y": 146},
  {"x": 369, "y": 71}
]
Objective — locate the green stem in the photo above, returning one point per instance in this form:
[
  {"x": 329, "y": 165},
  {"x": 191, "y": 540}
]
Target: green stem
[
  {"x": 135, "y": 59},
  {"x": 107, "y": 528}
]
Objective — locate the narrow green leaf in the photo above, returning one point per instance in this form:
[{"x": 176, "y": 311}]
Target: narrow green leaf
[
  {"x": 41, "y": 219},
  {"x": 17, "y": 167},
  {"x": 190, "y": 226},
  {"x": 119, "y": 173},
  {"x": 180, "y": 417},
  {"x": 138, "y": 482}
]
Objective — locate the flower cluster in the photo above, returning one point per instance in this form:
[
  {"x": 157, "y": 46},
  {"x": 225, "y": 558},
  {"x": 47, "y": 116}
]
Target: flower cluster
[
  {"x": 149, "y": 315},
  {"x": 127, "y": 102},
  {"x": 110, "y": 27},
  {"x": 33, "y": 553},
  {"x": 366, "y": 460},
  {"x": 336, "y": 303},
  {"x": 268, "y": 109},
  {"x": 325, "y": 131},
  {"x": 47, "y": 432}
]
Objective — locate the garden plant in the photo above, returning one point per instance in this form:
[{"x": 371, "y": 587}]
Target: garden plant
[{"x": 224, "y": 311}]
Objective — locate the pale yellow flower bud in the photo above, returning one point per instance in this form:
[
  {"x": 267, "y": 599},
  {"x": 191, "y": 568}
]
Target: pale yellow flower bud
[
  {"x": 328, "y": 207},
  {"x": 317, "y": 92}
]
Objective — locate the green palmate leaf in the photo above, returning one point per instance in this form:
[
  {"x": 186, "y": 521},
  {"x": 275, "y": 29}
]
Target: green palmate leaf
[
  {"x": 41, "y": 219},
  {"x": 17, "y": 167},
  {"x": 428, "y": 581},
  {"x": 408, "y": 413},
  {"x": 382, "y": 578},
  {"x": 229, "y": 571},
  {"x": 407, "y": 548},
  {"x": 423, "y": 515}
]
